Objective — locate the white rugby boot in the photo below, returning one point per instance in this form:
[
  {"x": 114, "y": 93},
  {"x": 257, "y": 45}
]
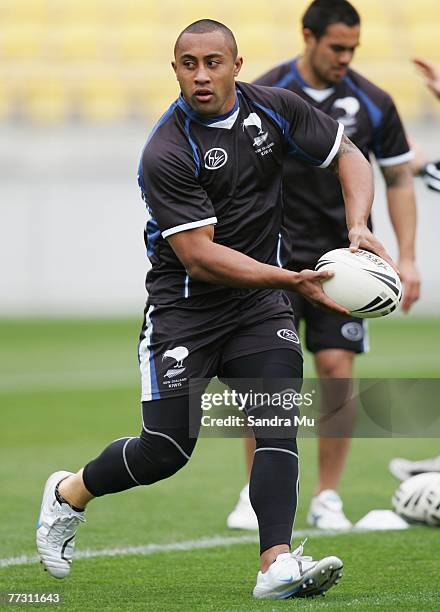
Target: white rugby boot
[
  {"x": 295, "y": 575},
  {"x": 243, "y": 515},
  {"x": 403, "y": 468},
  {"x": 56, "y": 529},
  {"x": 326, "y": 512}
]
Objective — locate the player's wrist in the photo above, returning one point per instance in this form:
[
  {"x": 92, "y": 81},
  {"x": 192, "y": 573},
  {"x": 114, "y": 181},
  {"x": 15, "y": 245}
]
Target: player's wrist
[{"x": 408, "y": 258}]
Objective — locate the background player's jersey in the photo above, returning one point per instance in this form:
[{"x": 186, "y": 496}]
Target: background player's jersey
[
  {"x": 226, "y": 171},
  {"x": 314, "y": 220}
]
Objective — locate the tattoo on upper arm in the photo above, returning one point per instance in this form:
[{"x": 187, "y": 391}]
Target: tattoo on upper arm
[
  {"x": 397, "y": 176},
  {"x": 346, "y": 148}
]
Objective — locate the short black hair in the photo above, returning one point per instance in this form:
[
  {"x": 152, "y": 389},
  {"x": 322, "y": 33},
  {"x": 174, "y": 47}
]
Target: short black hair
[
  {"x": 323, "y": 13},
  {"x": 203, "y": 26}
]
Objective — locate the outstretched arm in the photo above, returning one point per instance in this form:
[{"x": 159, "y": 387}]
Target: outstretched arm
[{"x": 207, "y": 261}]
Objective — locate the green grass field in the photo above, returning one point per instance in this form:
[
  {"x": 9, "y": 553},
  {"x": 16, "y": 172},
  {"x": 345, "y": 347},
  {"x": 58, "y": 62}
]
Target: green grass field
[{"x": 69, "y": 387}]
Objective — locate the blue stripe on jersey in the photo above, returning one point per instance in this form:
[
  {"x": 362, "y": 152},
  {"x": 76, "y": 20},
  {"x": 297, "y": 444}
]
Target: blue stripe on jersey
[
  {"x": 155, "y": 393},
  {"x": 285, "y": 80},
  {"x": 152, "y": 233},
  {"x": 181, "y": 102},
  {"x": 297, "y": 76},
  {"x": 374, "y": 112},
  {"x": 167, "y": 114},
  {"x": 284, "y": 125},
  {"x": 292, "y": 75},
  {"x": 193, "y": 146}
]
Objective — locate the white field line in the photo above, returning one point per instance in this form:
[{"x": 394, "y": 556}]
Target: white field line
[{"x": 151, "y": 549}]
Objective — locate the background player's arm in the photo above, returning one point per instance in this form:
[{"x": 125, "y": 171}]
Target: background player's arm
[
  {"x": 402, "y": 209},
  {"x": 356, "y": 177},
  {"x": 210, "y": 262},
  {"x": 431, "y": 74}
]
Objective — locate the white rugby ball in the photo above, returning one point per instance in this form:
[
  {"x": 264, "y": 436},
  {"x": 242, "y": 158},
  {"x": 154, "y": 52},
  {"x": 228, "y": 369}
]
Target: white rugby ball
[
  {"x": 363, "y": 282},
  {"x": 418, "y": 498}
]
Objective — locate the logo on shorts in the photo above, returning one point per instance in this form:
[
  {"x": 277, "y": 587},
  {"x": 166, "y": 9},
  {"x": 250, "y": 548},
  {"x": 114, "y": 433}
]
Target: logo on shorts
[
  {"x": 215, "y": 158},
  {"x": 352, "y": 331},
  {"x": 289, "y": 335},
  {"x": 179, "y": 354}
]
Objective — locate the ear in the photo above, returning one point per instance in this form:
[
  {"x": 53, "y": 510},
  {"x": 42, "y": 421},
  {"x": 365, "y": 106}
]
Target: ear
[
  {"x": 237, "y": 65},
  {"x": 174, "y": 65},
  {"x": 308, "y": 36}
]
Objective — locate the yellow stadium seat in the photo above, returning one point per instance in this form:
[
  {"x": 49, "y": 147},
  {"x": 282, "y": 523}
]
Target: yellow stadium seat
[
  {"x": 134, "y": 43},
  {"x": 127, "y": 45},
  {"x": 75, "y": 12},
  {"x": 420, "y": 12},
  {"x": 133, "y": 12},
  {"x": 79, "y": 42},
  {"x": 46, "y": 100},
  {"x": 425, "y": 40},
  {"x": 23, "y": 11},
  {"x": 377, "y": 42},
  {"x": 24, "y": 41},
  {"x": 104, "y": 99},
  {"x": 372, "y": 11}
]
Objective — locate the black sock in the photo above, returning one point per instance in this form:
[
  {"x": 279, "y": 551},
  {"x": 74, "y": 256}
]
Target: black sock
[{"x": 61, "y": 500}]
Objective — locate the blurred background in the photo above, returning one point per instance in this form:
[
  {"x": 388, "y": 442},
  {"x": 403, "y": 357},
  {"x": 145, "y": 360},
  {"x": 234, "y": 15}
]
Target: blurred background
[{"x": 81, "y": 84}]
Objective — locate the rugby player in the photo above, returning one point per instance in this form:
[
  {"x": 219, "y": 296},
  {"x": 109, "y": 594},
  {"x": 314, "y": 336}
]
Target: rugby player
[
  {"x": 428, "y": 170},
  {"x": 210, "y": 175},
  {"x": 314, "y": 223}
]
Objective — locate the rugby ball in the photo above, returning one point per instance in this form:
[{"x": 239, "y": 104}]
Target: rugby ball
[
  {"x": 363, "y": 282},
  {"x": 417, "y": 499}
]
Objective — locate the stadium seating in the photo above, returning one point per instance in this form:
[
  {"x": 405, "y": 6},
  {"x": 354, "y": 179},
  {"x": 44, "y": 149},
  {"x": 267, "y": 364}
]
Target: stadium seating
[{"x": 109, "y": 59}]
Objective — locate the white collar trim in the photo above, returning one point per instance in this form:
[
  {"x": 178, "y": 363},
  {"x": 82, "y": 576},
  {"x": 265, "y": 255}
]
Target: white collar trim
[
  {"x": 227, "y": 123},
  {"x": 319, "y": 95}
]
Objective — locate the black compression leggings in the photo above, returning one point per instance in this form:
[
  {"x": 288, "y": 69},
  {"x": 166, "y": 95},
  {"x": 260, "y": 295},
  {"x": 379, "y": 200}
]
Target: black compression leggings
[{"x": 164, "y": 447}]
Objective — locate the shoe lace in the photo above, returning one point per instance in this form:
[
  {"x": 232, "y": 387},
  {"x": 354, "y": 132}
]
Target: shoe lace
[{"x": 298, "y": 552}]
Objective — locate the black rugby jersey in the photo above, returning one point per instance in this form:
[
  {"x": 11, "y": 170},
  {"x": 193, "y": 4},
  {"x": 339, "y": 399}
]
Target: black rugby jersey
[
  {"x": 314, "y": 220},
  {"x": 225, "y": 171}
]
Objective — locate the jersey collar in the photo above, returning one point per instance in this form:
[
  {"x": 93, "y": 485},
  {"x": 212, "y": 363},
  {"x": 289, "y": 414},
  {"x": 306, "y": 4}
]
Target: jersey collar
[
  {"x": 225, "y": 121},
  {"x": 319, "y": 95}
]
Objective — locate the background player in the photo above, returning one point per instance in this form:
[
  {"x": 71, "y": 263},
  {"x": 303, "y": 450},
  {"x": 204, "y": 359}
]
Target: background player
[
  {"x": 315, "y": 223},
  {"x": 404, "y": 468},
  {"x": 214, "y": 306},
  {"x": 429, "y": 171}
]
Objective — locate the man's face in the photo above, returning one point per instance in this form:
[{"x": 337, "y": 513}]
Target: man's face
[
  {"x": 206, "y": 69},
  {"x": 331, "y": 55}
]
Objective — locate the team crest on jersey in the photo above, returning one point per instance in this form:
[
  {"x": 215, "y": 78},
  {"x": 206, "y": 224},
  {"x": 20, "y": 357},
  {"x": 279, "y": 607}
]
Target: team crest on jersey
[
  {"x": 215, "y": 158},
  {"x": 350, "y": 106},
  {"x": 254, "y": 125}
]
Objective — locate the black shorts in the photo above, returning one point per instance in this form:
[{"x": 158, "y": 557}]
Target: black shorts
[
  {"x": 193, "y": 337},
  {"x": 326, "y": 330}
]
